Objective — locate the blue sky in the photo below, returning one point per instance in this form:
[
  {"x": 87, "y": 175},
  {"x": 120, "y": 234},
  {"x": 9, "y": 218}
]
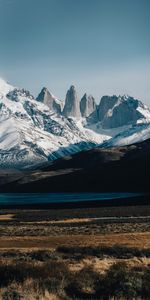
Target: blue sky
[{"x": 101, "y": 46}]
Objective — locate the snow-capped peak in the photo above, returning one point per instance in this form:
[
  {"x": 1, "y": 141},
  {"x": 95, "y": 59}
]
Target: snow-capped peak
[{"x": 5, "y": 87}]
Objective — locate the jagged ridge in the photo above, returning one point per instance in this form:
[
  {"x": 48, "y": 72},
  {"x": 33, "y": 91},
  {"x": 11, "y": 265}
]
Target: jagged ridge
[{"x": 33, "y": 131}]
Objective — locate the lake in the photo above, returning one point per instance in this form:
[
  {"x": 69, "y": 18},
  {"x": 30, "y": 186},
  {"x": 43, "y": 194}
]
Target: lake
[{"x": 54, "y": 198}]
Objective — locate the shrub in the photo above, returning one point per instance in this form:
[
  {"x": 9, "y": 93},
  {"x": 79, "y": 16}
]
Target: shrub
[
  {"x": 83, "y": 284},
  {"x": 114, "y": 251},
  {"x": 52, "y": 275},
  {"x": 11, "y": 295},
  {"x": 146, "y": 285},
  {"x": 42, "y": 255},
  {"x": 10, "y": 273},
  {"x": 121, "y": 282},
  {"x": 57, "y": 278}
]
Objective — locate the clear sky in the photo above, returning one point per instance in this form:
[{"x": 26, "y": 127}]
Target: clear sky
[{"x": 101, "y": 46}]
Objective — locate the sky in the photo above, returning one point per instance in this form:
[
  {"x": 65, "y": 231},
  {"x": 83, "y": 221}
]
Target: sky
[{"x": 100, "y": 46}]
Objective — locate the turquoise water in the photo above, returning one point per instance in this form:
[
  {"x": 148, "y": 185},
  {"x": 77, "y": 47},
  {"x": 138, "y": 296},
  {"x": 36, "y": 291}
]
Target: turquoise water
[{"x": 49, "y": 198}]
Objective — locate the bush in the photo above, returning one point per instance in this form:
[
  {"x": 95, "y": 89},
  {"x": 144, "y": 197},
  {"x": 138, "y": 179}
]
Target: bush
[
  {"x": 11, "y": 295},
  {"x": 50, "y": 275},
  {"x": 146, "y": 285},
  {"x": 10, "y": 273},
  {"x": 100, "y": 251},
  {"x": 83, "y": 284},
  {"x": 121, "y": 282},
  {"x": 42, "y": 255},
  {"x": 57, "y": 278}
]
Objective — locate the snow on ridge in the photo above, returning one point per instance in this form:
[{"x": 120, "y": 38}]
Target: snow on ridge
[
  {"x": 5, "y": 87},
  {"x": 31, "y": 132},
  {"x": 134, "y": 134},
  {"x": 9, "y": 136}
]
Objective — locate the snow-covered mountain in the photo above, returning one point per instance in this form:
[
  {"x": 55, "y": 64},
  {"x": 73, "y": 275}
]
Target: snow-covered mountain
[{"x": 33, "y": 131}]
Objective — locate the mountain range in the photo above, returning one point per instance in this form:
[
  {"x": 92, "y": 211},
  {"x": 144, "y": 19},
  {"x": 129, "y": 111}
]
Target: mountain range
[{"x": 38, "y": 130}]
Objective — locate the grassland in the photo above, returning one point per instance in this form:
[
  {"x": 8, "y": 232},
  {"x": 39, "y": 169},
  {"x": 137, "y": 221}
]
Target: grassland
[{"x": 86, "y": 253}]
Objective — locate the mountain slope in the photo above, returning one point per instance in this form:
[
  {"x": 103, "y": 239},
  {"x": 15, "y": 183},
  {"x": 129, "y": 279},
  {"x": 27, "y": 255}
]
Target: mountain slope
[
  {"x": 135, "y": 134},
  {"x": 121, "y": 169}
]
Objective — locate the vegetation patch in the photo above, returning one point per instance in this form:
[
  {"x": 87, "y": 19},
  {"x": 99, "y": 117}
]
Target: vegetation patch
[
  {"x": 115, "y": 251},
  {"x": 55, "y": 278}
]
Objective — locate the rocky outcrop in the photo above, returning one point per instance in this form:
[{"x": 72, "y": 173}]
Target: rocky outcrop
[
  {"x": 87, "y": 105},
  {"x": 47, "y": 98},
  {"x": 106, "y": 103},
  {"x": 72, "y": 104},
  {"x": 116, "y": 111}
]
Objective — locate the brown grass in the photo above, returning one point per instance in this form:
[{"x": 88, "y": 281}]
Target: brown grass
[
  {"x": 37, "y": 238},
  {"x": 68, "y": 221},
  {"x": 6, "y": 217},
  {"x": 141, "y": 240}
]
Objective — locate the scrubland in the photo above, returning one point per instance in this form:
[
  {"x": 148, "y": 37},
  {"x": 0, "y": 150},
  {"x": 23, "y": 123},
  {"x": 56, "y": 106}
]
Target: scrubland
[{"x": 101, "y": 253}]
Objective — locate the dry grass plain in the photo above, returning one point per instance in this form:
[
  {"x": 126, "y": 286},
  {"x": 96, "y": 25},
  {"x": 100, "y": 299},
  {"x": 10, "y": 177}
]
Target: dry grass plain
[
  {"x": 70, "y": 241},
  {"x": 138, "y": 239}
]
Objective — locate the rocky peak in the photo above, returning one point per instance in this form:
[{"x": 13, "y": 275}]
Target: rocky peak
[
  {"x": 48, "y": 99},
  {"x": 72, "y": 104},
  {"x": 106, "y": 103},
  {"x": 87, "y": 105},
  {"x": 72, "y": 88},
  {"x": 45, "y": 96},
  {"x": 118, "y": 111}
]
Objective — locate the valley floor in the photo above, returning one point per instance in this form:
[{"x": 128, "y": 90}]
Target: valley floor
[{"x": 74, "y": 253}]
